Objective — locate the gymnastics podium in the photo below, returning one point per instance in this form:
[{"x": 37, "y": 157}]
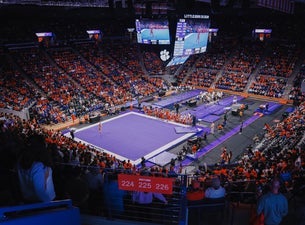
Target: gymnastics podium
[{"x": 51, "y": 213}]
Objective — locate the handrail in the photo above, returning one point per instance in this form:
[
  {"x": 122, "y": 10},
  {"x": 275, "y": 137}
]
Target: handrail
[{"x": 5, "y": 211}]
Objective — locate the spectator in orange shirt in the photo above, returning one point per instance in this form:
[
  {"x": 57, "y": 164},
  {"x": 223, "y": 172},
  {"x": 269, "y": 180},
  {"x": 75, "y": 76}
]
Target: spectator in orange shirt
[{"x": 195, "y": 193}]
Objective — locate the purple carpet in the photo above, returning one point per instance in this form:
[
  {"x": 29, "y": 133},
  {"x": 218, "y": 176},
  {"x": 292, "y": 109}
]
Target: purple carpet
[
  {"x": 219, "y": 141},
  {"x": 131, "y": 136}
]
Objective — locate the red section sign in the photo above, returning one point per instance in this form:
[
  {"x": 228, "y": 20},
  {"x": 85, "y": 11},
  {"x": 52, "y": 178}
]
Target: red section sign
[{"x": 145, "y": 184}]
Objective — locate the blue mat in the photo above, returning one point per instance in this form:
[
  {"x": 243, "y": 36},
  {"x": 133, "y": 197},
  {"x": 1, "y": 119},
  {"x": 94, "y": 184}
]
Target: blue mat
[
  {"x": 289, "y": 109},
  {"x": 219, "y": 112},
  {"x": 210, "y": 118},
  {"x": 273, "y": 106},
  {"x": 177, "y": 98},
  {"x": 229, "y": 100},
  {"x": 184, "y": 130}
]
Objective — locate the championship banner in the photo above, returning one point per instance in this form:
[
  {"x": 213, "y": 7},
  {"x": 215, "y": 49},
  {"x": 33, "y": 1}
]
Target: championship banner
[{"x": 145, "y": 183}]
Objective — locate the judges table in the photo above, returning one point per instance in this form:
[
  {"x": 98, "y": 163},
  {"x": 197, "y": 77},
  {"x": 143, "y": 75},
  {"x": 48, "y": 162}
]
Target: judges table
[{"x": 192, "y": 103}]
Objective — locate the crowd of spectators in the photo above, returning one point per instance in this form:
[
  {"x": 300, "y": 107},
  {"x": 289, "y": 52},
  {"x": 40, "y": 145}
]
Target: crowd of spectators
[
  {"x": 207, "y": 67},
  {"x": 297, "y": 92},
  {"x": 169, "y": 115},
  {"x": 153, "y": 63},
  {"x": 232, "y": 81},
  {"x": 279, "y": 153},
  {"x": 54, "y": 83},
  {"x": 281, "y": 61},
  {"x": 87, "y": 75},
  {"x": 186, "y": 68},
  {"x": 201, "y": 78},
  {"x": 243, "y": 60},
  {"x": 268, "y": 86},
  {"x": 16, "y": 92},
  {"x": 73, "y": 86},
  {"x": 127, "y": 56},
  {"x": 85, "y": 80}
]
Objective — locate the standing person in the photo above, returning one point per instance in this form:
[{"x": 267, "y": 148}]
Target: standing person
[
  {"x": 100, "y": 127},
  {"x": 241, "y": 113},
  {"x": 212, "y": 127},
  {"x": 225, "y": 117},
  {"x": 95, "y": 181},
  {"x": 204, "y": 136},
  {"x": 198, "y": 35},
  {"x": 143, "y": 164},
  {"x": 151, "y": 31},
  {"x": 241, "y": 127},
  {"x": 194, "y": 120},
  {"x": 230, "y": 157},
  {"x": 114, "y": 197},
  {"x": 273, "y": 205},
  {"x": 177, "y": 106},
  {"x": 267, "y": 107},
  {"x": 73, "y": 117},
  {"x": 72, "y": 133},
  {"x": 224, "y": 155},
  {"x": 35, "y": 172}
]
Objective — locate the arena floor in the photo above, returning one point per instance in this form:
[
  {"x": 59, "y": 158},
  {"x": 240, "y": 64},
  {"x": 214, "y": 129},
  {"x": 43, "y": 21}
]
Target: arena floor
[{"x": 132, "y": 135}]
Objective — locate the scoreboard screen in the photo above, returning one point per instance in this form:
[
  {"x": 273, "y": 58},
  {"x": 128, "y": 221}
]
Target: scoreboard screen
[
  {"x": 44, "y": 34},
  {"x": 262, "y": 34},
  {"x": 191, "y": 36},
  {"x": 94, "y": 34},
  {"x": 151, "y": 31}
]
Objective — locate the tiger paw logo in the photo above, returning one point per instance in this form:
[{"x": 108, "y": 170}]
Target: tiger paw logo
[{"x": 164, "y": 55}]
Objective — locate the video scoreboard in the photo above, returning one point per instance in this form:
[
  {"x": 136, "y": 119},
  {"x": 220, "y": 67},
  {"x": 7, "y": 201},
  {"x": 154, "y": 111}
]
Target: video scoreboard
[{"x": 191, "y": 35}]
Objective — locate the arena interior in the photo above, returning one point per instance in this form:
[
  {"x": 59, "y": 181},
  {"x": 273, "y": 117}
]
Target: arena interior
[{"x": 111, "y": 108}]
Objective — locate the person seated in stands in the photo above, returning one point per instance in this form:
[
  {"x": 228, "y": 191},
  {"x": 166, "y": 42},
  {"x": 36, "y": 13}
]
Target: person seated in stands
[
  {"x": 146, "y": 198},
  {"x": 35, "y": 172},
  {"x": 215, "y": 190},
  {"x": 195, "y": 191},
  {"x": 77, "y": 188},
  {"x": 172, "y": 172}
]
